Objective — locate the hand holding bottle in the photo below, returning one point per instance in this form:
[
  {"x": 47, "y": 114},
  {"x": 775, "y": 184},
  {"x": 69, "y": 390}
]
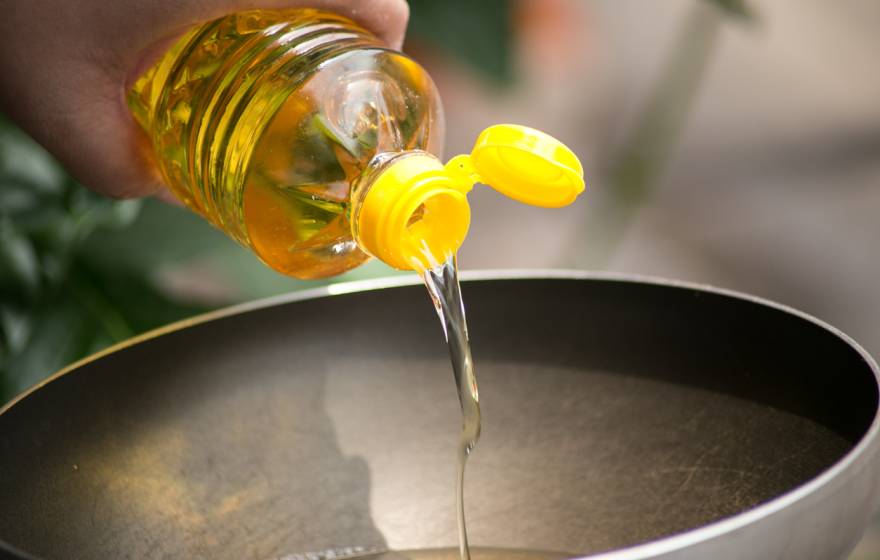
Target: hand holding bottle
[{"x": 66, "y": 67}]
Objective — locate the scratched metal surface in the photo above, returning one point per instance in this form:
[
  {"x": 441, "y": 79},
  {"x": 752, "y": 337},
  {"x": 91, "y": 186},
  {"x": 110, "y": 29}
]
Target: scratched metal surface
[{"x": 615, "y": 413}]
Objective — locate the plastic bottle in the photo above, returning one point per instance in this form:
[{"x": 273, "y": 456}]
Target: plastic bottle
[{"x": 302, "y": 137}]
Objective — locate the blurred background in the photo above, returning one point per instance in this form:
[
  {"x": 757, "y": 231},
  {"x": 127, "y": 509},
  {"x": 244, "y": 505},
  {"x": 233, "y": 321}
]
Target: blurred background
[{"x": 729, "y": 143}]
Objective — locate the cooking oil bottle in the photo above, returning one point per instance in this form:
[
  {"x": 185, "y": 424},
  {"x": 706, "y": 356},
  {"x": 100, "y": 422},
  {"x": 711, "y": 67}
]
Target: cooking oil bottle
[{"x": 304, "y": 138}]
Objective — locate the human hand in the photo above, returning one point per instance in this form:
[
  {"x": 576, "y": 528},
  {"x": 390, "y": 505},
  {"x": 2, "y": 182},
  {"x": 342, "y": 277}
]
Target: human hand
[{"x": 66, "y": 66}]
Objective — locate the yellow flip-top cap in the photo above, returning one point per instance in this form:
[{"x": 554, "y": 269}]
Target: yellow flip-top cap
[
  {"x": 415, "y": 213},
  {"x": 528, "y": 165}
]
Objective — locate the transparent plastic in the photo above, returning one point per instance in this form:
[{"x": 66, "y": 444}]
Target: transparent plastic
[{"x": 263, "y": 121}]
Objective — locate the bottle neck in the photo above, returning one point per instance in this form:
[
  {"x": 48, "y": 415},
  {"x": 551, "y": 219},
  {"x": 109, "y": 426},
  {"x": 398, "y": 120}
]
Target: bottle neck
[{"x": 409, "y": 211}]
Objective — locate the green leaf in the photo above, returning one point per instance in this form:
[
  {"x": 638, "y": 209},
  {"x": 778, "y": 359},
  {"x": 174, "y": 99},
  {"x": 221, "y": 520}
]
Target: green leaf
[
  {"x": 16, "y": 327},
  {"x": 480, "y": 34},
  {"x": 161, "y": 235},
  {"x": 61, "y": 334},
  {"x": 16, "y": 198},
  {"x": 125, "y": 302},
  {"x": 123, "y": 214},
  {"x": 19, "y": 267},
  {"x": 91, "y": 212},
  {"x": 21, "y": 157},
  {"x": 94, "y": 308}
]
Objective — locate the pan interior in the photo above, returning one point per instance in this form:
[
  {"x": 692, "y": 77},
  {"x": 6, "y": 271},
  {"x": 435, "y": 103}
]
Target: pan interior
[{"x": 614, "y": 413}]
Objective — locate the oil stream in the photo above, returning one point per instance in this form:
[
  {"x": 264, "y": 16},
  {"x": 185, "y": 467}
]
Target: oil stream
[{"x": 442, "y": 284}]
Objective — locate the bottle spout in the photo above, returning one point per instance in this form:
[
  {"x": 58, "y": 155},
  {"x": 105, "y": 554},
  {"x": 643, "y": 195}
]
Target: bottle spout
[{"x": 415, "y": 214}]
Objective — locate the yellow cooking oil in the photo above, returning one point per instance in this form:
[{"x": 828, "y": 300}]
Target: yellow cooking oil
[{"x": 262, "y": 120}]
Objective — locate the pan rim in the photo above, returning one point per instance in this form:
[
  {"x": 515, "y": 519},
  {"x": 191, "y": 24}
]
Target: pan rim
[{"x": 647, "y": 550}]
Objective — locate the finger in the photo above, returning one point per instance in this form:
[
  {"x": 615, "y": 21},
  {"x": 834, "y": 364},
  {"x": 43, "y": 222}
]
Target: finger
[
  {"x": 111, "y": 154},
  {"x": 387, "y": 19},
  {"x": 168, "y": 197}
]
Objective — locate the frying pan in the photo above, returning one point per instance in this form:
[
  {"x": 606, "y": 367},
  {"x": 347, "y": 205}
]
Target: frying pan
[{"x": 623, "y": 417}]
